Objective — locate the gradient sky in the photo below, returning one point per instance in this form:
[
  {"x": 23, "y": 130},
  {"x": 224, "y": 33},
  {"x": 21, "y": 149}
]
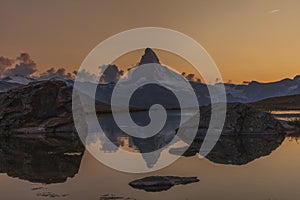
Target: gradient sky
[{"x": 248, "y": 40}]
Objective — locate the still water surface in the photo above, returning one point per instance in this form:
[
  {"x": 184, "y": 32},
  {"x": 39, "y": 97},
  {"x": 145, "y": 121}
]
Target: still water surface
[{"x": 263, "y": 173}]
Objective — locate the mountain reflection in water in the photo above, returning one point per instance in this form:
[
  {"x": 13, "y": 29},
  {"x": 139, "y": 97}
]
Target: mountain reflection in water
[
  {"x": 233, "y": 149},
  {"x": 22, "y": 159}
]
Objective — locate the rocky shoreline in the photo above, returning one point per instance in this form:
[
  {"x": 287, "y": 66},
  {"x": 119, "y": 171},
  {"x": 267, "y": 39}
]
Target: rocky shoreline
[
  {"x": 36, "y": 119},
  {"x": 45, "y": 108}
]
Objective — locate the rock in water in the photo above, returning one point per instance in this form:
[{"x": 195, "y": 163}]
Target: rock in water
[
  {"x": 149, "y": 57},
  {"x": 37, "y": 132},
  {"x": 247, "y": 134},
  {"x": 161, "y": 183},
  {"x": 241, "y": 119}
]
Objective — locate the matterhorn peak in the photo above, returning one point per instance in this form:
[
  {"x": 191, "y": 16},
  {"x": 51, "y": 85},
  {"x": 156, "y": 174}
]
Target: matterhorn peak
[{"x": 149, "y": 57}]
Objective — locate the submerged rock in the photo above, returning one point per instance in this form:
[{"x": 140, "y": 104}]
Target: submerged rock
[
  {"x": 161, "y": 183},
  {"x": 114, "y": 197}
]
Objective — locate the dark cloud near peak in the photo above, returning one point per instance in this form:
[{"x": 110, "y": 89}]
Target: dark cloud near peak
[
  {"x": 190, "y": 77},
  {"x": 25, "y": 66},
  {"x": 25, "y": 58},
  {"x": 5, "y": 63},
  {"x": 56, "y": 73}
]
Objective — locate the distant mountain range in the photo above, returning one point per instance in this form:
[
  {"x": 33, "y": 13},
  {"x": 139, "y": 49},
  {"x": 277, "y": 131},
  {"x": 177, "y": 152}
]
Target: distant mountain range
[
  {"x": 256, "y": 91},
  {"x": 252, "y": 92},
  {"x": 11, "y": 82}
]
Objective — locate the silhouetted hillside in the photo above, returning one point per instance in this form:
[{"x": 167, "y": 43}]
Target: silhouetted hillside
[{"x": 279, "y": 103}]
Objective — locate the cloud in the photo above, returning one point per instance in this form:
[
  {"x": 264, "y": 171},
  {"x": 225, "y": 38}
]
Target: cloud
[
  {"x": 56, "y": 73},
  {"x": 191, "y": 77},
  {"x": 246, "y": 82},
  {"x": 25, "y": 67},
  {"x": 85, "y": 76},
  {"x": 273, "y": 11},
  {"x": 5, "y": 63},
  {"x": 111, "y": 74}
]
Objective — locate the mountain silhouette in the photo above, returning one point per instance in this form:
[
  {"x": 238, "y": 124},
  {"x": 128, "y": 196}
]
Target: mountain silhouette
[{"x": 149, "y": 57}]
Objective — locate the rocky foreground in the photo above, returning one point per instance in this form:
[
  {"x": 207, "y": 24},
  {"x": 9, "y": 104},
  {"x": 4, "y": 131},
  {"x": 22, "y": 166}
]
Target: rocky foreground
[
  {"x": 38, "y": 141},
  {"x": 242, "y": 119},
  {"x": 42, "y": 108},
  {"x": 161, "y": 183},
  {"x": 247, "y": 134}
]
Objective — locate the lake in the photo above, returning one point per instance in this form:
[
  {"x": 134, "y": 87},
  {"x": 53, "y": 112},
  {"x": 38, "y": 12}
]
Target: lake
[{"x": 260, "y": 167}]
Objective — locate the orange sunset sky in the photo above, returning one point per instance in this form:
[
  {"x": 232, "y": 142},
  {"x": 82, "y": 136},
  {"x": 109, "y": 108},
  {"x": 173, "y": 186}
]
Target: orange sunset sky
[{"x": 248, "y": 39}]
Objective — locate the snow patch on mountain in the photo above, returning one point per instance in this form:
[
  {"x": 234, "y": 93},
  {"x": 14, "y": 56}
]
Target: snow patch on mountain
[{"x": 18, "y": 79}]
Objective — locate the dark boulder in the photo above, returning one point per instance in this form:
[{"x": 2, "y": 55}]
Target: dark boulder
[
  {"x": 161, "y": 183},
  {"x": 247, "y": 134},
  {"x": 241, "y": 119},
  {"x": 40, "y": 108}
]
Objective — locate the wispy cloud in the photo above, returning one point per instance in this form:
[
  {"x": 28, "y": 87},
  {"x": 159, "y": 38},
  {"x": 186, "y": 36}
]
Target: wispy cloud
[{"x": 273, "y": 11}]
